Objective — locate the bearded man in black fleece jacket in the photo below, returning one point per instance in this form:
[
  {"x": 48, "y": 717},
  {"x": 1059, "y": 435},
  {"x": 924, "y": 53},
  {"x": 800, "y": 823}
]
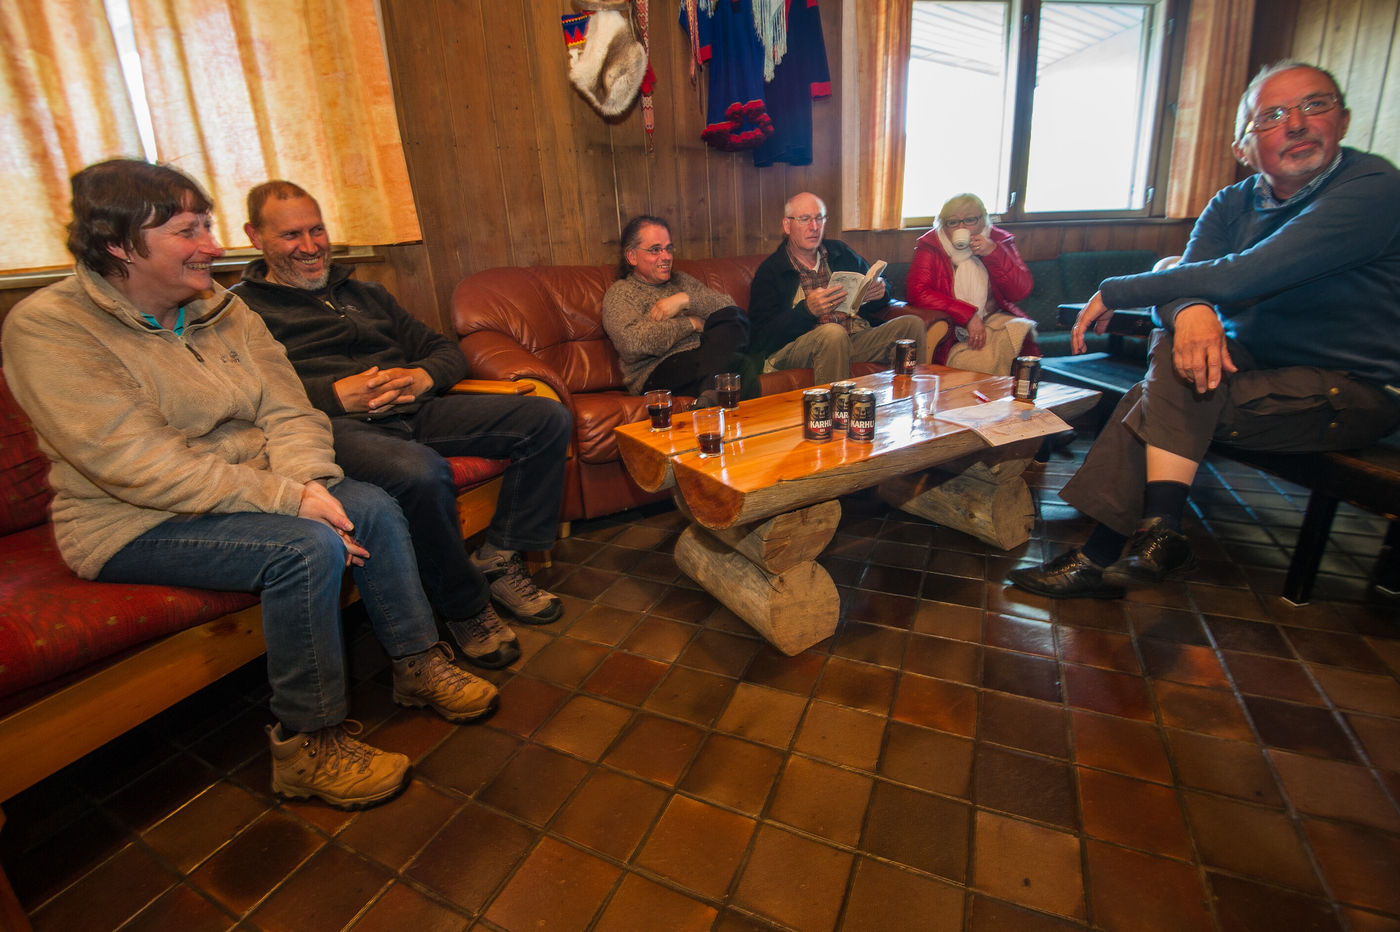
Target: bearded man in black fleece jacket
[{"x": 380, "y": 374}]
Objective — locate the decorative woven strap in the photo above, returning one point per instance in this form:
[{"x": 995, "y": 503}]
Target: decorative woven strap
[
  {"x": 575, "y": 27},
  {"x": 692, "y": 18},
  {"x": 648, "y": 112}
]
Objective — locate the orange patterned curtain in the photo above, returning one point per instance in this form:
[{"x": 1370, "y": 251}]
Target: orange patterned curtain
[
  {"x": 242, "y": 91},
  {"x": 1213, "y": 75},
  {"x": 875, "y": 36},
  {"x": 62, "y": 106}
]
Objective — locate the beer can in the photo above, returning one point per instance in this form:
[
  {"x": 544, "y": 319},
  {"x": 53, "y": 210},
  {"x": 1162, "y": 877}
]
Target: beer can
[
  {"x": 1026, "y": 371},
  {"x": 862, "y": 421},
  {"x": 816, "y": 414},
  {"x": 905, "y": 355},
  {"x": 841, "y": 403}
]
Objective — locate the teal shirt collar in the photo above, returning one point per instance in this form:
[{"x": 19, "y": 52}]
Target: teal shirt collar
[{"x": 178, "y": 329}]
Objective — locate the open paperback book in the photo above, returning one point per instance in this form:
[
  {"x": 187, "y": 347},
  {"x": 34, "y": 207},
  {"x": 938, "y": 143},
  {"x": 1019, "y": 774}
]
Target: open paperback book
[{"x": 855, "y": 284}]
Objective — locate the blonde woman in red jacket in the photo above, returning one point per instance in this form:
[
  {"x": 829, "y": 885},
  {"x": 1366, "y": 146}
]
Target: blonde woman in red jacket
[{"x": 964, "y": 282}]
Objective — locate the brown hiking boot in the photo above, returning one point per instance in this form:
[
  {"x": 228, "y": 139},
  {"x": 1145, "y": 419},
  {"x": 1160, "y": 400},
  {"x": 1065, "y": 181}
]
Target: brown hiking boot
[
  {"x": 431, "y": 679},
  {"x": 333, "y": 766}
]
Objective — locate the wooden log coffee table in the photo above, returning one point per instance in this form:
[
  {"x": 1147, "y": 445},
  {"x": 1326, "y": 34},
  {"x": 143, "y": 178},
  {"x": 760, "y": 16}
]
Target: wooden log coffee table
[{"x": 764, "y": 508}]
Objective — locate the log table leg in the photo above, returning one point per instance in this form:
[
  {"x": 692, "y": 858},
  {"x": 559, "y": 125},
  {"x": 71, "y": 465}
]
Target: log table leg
[
  {"x": 990, "y": 501},
  {"x": 767, "y": 575}
]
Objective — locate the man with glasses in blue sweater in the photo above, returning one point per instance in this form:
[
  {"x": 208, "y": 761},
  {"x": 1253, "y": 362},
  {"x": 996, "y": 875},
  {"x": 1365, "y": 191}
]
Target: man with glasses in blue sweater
[{"x": 1278, "y": 333}]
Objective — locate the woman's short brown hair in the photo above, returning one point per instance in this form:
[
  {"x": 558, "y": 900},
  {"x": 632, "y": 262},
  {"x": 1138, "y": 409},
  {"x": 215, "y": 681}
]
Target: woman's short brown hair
[{"x": 114, "y": 201}]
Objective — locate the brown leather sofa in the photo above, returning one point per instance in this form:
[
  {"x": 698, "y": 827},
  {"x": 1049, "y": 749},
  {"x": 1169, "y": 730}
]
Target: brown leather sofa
[{"x": 544, "y": 323}]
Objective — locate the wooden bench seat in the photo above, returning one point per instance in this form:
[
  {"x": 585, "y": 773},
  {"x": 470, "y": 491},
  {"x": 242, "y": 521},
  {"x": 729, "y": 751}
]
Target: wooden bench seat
[
  {"x": 83, "y": 662},
  {"x": 1368, "y": 479}
]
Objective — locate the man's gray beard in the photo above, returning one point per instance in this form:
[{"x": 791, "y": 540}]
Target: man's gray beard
[{"x": 288, "y": 274}]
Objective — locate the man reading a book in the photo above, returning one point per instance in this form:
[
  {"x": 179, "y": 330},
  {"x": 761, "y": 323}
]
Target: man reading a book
[{"x": 800, "y": 318}]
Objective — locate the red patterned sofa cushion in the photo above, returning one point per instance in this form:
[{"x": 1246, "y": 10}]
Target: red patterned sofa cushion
[
  {"x": 52, "y": 622},
  {"x": 468, "y": 472},
  {"x": 24, "y": 471}
]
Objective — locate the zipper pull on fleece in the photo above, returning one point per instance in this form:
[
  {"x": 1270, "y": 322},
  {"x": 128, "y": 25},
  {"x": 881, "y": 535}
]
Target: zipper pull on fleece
[{"x": 193, "y": 350}]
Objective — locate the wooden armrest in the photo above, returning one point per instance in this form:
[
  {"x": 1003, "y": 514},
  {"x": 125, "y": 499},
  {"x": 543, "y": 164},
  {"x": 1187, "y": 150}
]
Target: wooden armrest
[
  {"x": 492, "y": 387},
  {"x": 507, "y": 387}
]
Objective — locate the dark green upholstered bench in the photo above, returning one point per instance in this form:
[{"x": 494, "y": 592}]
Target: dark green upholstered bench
[
  {"x": 1071, "y": 276},
  {"x": 1074, "y": 277}
]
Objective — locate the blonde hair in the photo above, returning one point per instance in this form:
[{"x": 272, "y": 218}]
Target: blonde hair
[{"x": 951, "y": 207}]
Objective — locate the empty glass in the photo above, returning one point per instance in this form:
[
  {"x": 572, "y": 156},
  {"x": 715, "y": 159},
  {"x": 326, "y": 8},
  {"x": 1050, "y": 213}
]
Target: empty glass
[{"x": 925, "y": 395}]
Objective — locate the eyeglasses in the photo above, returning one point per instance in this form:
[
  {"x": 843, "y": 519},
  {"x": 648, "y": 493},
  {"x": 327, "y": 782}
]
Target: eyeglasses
[
  {"x": 1311, "y": 106},
  {"x": 805, "y": 219},
  {"x": 964, "y": 222},
  {"x": 654, "y": 251}
]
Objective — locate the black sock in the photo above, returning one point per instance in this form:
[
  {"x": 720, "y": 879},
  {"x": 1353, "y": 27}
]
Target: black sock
[
  {"x": 1104, "y": 545},
  {"x": 1165, "y": 500}
]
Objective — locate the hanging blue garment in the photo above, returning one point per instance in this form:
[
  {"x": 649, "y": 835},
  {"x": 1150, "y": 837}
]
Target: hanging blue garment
[
  {"x": 800, "y": 78},
  {"x": 736, "y": 116}
]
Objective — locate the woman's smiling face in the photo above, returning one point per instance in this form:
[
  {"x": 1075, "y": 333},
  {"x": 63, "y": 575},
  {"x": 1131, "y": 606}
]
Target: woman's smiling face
[{"x": 176, "y": 266}]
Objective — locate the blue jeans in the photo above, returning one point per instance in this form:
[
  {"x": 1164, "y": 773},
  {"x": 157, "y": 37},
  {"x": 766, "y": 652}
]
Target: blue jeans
[
  {"x": 403, "y": 454},
  {"x": 298, "y": 566}
]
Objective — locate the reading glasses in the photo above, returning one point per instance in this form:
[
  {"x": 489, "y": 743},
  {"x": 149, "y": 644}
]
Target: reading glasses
[
  {"x": 804, "y": 219},
  {"x": 668, "y": 249},
  {"x": 1266, "y": 120},
  {"x": 964, "y": 222}
]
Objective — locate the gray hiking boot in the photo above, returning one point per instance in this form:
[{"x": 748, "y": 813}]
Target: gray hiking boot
[
  {"x": 515, "y": 591},
  {"x": 485, "y": 641}
]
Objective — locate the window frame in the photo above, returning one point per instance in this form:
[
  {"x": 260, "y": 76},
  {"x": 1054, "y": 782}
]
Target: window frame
[
  {"x": 102, "y": 103},
  {"x": 1021, "y": 58}
]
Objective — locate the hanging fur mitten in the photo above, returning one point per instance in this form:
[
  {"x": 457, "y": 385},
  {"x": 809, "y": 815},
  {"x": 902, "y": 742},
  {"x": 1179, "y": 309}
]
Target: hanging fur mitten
[{"x": 609, "y": 69}]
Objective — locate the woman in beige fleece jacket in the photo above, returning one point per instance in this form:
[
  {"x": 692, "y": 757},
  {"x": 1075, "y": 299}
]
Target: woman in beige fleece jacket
[{"x": 183, "y": 451}]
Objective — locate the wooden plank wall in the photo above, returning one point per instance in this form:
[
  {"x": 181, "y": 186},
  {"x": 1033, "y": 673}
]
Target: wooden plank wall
[
  {"x": 510, "y": 166},
  {"x": 1359, "y": 42}
]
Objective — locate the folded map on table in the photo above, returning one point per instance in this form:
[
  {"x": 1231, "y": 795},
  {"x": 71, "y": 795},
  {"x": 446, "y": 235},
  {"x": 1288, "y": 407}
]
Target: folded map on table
[{"x": 1005, "y": 420}]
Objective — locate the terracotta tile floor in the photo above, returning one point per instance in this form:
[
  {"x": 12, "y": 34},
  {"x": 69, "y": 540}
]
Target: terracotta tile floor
[{"x": 959, "y": 756}]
